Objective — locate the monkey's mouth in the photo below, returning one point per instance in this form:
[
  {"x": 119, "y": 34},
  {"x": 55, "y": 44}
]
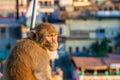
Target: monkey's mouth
[{"x": 53, "y": 45}]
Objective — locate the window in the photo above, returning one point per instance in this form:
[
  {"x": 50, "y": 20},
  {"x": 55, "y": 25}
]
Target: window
[
  {"x": 45, "y": 3},
  {"x": 49, "y": 3},
  {"x": 105, "y": 8},
  {"x": 70, "y": 50},
  {"x": 100, "y": 9},
  {"x": 10, "y": 14},
  {"x": 76, "y": 9},
  {"x": 100, "y": 31},
  {"x": 2, "y": 30},
  {"x": 15, "y": 33},
  {"x": 56, "y": 2},
  {"x": 40, "y": 3},
  {"x": 77, "y": 49},
  {"x": 62, "y": 8},
  {"x": 116, "y": 8},
  {"x": 110, "y": 8},
  {"x": 61, "y": 31},
  {"x": 2, "y": 33}
]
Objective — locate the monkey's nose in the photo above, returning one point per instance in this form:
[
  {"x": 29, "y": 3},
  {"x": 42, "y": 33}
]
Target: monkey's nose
[{"x": 54, "y": 42}]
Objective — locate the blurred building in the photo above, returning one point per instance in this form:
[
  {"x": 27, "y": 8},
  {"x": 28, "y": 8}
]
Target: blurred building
[
  {"x": 23, "y": 6},
  {"x": 85, "y": 21},
  {"x": 88, "y": 23},
  {"x": 109, "y": 9},
  {"x": 92, "y": 67},
  {"x": 7, "y": 8},
  {"x": 46, "y": 6},
  {"x": 90, "y": 9},
  {"x": 78, "y": 35},
  {"x": 10, "y": 32},
  {"x": 10, "y": 27}
]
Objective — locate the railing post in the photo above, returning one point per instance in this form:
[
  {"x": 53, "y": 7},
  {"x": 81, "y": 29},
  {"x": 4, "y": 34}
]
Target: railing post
[{"x": 34, "y": 11}]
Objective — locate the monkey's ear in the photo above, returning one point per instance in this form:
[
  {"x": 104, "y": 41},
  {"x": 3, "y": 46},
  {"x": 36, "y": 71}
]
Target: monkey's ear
[{"x": 32, "y": 34}]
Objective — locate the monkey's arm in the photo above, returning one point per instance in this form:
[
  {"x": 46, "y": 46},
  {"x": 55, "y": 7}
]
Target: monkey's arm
[
  {"x": 23, "y": 73},
  {"x": 19, "y": 67}
]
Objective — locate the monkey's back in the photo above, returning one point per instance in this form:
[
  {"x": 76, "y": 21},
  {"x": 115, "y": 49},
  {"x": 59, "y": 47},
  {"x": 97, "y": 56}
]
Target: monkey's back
[{"x": 26, "y": 57}]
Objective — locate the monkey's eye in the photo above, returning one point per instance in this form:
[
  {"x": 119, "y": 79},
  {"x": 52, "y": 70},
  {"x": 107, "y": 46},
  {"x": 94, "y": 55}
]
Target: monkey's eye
[
  {"x": 49, "y": 35},
  {"x": 54, "y": 34}
]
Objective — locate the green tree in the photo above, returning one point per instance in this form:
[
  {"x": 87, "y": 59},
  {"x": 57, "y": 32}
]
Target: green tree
[
  {"x": 104, "y": 47},
  {"x": 100, "y": 49}
]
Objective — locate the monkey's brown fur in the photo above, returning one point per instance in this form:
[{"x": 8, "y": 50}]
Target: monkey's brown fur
[{"x": 29, "y": 59}]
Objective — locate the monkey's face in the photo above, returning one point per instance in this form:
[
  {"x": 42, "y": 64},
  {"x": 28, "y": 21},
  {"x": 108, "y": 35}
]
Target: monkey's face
[{"x": 52, "y": 41}]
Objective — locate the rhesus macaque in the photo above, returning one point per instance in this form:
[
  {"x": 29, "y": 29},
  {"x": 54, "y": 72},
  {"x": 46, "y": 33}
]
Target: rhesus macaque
[{"x": 29, "y": 59}]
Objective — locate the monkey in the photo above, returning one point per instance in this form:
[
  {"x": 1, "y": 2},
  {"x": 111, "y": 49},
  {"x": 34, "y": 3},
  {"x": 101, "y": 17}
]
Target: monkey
[{"x": 30, "y": 58}]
